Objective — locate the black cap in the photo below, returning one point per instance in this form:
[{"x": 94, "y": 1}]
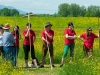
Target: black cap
[{"x": 48, "y": 24}]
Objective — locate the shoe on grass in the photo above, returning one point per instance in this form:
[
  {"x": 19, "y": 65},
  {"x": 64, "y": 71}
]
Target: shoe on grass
[
  {"x": 41, "y": 66},
  {"x": 53, "y": 65},
  {"x": 61, "y": 65}
]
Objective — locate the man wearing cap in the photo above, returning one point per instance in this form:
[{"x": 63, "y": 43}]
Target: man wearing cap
[
  {"x": 8, "y": 45},
  {"x": 47, "y": 38}
]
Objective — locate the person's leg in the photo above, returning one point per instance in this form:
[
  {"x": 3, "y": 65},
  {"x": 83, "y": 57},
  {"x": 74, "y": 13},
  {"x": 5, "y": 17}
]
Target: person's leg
[
  {"x": 44, "y": 52},
  {"x": 90, "y": 52},
  {"x": 85, "y": 51},
  {"x": 71, "y": 52},
  {"x": 33, "y": 56},
  {"x": 17, "y": 50},
  {"x": 2, "y": 53},
  {"x": 26, "y": 51},
  {"x": 8, "y": 54},
  {"x": 66, "y": 47},
  {"x": 13, "y": 55},
  {"x": 0, "y": 50},
  {"x": 51, "y": 54}
]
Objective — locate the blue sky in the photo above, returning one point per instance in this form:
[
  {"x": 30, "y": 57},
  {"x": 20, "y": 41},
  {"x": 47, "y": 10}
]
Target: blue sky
[{"x": 44, "y": 6}]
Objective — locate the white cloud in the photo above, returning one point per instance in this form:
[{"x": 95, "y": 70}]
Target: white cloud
[{"x": 40, "y": 4}]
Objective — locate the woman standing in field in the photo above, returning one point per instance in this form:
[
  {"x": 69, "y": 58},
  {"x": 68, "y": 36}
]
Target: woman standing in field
[
  {"x": 28, "y": 44},
  {"x": 88, "y": 39},
  {"x": 17, "y": 37},
  {"x": 70, "y": 36}
]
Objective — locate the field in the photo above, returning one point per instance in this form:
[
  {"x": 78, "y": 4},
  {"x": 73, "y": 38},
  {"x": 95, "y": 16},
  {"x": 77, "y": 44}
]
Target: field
[{"x": 80, "y": 65}]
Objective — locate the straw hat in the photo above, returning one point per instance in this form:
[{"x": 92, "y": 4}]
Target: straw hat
[{"x": 6, "y": 26}]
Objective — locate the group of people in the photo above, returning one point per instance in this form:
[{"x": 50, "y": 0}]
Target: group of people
[{"x": 9, "y": 43}]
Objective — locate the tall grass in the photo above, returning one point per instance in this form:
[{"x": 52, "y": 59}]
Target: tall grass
[{"x": 80, "y": 66}]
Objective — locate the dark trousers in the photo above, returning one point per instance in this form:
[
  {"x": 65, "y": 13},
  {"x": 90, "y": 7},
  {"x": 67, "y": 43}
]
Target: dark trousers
[{"x": 26, "y": 51}]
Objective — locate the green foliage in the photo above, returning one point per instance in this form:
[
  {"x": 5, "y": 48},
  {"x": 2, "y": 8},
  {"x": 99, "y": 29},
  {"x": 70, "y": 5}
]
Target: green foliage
[
  {"x": 8, "y": 12},
  {"x": 74, "y": 10}
]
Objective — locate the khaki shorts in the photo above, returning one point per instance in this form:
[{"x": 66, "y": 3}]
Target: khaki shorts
[
  {"x": 46, "y": 48},
  {"x": 87, "y": 49}
]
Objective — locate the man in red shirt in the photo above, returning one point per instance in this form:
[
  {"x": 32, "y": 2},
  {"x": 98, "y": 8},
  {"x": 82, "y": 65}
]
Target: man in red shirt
[
  {"x": 88, "y": 39},
  {"x": 47, "y": 38},
  {"x": 70, "y": 36},
  {"x": 28, "y": 44}
]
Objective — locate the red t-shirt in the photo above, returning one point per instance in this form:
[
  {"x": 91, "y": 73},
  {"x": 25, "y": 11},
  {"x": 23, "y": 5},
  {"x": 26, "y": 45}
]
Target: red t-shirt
[
  {"x": 51, "y": 33},
  {"x": 17, "y": 39},
  {"x": 88, "y": 41},
  {"x": 29, "y": 38},
  {"x": 70, "y": 33}
]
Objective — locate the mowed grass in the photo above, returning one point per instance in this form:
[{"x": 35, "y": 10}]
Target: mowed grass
[{"x": 80, "y": 65}]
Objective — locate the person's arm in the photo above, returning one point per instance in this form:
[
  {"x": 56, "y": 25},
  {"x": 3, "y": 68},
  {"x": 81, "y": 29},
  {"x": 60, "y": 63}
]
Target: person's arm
[
  {"x": 80, "y": 38},
  {"x": 34, "y": 38},
  {"x": 50, "y": 36},
  {"x": 99, "y": 34},
  {"x": 11, "y": 38},
  {"x": 70, "y": 37},
  {"x": 27, "y": 33},
  {"x": 45, "y": 40}
]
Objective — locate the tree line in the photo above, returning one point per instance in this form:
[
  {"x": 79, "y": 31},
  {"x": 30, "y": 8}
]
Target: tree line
[
  {"x": 8, "y": 12},
  {"x": 64, "y": 10},
  {"x": 74, "y": 10}
]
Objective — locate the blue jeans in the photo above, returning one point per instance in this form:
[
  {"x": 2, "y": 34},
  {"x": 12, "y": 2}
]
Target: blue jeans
[{"x": 9, "y": 54}]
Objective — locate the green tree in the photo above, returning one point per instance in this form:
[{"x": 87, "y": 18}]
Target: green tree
[
  {"x": 8, "y": 12},
  {"x": 98, "y": 11},
  {"x": 14, "y": 12},
  {"x": 5, "y": 12},
  {"x": 63, "y": 10},
  {"x": 74, "y": 10},
  {"x": 93, "y": 11},
  {"x": 82, "y": 11}
]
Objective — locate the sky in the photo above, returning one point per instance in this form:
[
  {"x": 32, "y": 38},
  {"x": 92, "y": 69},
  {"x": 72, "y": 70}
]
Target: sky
[{"x": 44, "y": 6}]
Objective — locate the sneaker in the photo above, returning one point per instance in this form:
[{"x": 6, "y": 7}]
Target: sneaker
[
  {"x": 53, "y": 66},
  {"x": 26, "y": 66},
  {"x": 41, "y": 66},
  {"x": 37, "y": 67},
  {"x": 61, "y": 65}
]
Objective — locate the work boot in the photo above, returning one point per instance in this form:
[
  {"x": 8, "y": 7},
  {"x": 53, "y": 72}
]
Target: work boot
[{"x": 41, "y": 66}]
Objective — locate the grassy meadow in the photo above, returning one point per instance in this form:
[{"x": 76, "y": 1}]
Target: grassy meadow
[{"x": 80, "y": 65}]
